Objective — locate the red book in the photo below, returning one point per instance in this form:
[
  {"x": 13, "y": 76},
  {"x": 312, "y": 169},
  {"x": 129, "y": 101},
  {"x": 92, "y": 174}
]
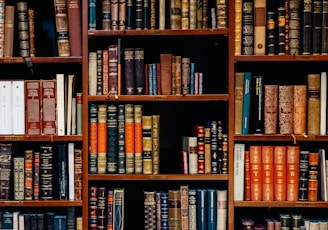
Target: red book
[
  {"x": 113, "y": 69},
  {"x": 199, "y": 132},
  {"x": 256, "y": 172},
  {"x": 129, "y": 138},
  {"x": 33, "y": 107},
  {"x": 74, "y": 26},
  {"x": 279, "y": 172},
  {"x": 158, "y": 78},
  {"x": 293, "y": 166},
  {"x": 313, "y": 176},
  {"x": 247, "y": 176},
  {"x": 166, "y": 73},
  {"x": 267, "y": 173},
  {"x": 48, "y": 92},
  {"x": 102, "y": 138}
]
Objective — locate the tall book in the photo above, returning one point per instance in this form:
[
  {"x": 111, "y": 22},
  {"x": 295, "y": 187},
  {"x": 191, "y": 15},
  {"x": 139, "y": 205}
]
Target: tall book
[
  {"x": 239, "y": 97},
  {"x": 112, "y": 137},
  {"x": 256, "y": 172},
  {"x": 267, "y": 173},
  {"x": 19, "y": 175},
  {"x": 46, "y": 172},
  {"x": 149, "y": 209},
  {"x": 18, "y": 107},
  {"x": 259, "y": 27},
  {"x": 93, "y": 138},
  {"x": 174, "y": 209},
  {"x": 5, "y": 170},
  {"x": 313, "y": 104},
  {"x": 192, "y": 209},
  {"x": 238, "y": 20},
  {"x": 270, "y": 32},
  {"x": 115, "y": 14},
  {"x": 2, "y": 26},
  {"x": 164, "y": 209},
  {"x": 222, "y": 210},
  {"x": 292, "y": 172},
  {"x": 313, "y": 182},
  {"x": 92, "y": 23},
  {"x": 6, "y": 107},
  {"x": 28, "y": 174},
  {"x": 239, "y": 160},
  {"x": 62, "y": 28},
  {"x": 129, "y": 138},
  {"x": 323, "y": 174},
  {"x": 139, "y": 68},
  {"x": 118, "y": 210},
  {"x": 74, "y": 26},
  {"x": 92, "y": 73},
  {"x": 247, "y": 176},
  {"x": 281, "y": 30},
  {"x": 121, "y": 138},
  {"x": 36, "y": 175},
  {"x": 279, "y": 178},
  {"x": 33, "y": 107},
  {"x": 303, "y": 175},
  {"x": 79, "y": 108},
  {"x": 113, "y": 69},
  {"x": 324, "y": 31},
  {"x": 184, "y": 14},
  {"x": 166, "y": 73},
  {"x": 68, "y": 161},
  {"x": 9, "y": 29},
  {"x": 147, "y": 144},
  {"x": 23, "y": 28},
  {"x": 307, "y": 27},
  {"x": 102, "y": 71},
  {"x": 192, "y": 155},
  {"x": 317, "y": 26},
  {"x": 184, "y": 192},
  {"x": 185, "y": 75},
  {"x": 212, "y": 208},
  {"x": 299, "y": 111},
  {"x": 110, "y": 208},
  {"x": 161, "y": 14},
  {"x": 257, "y": 111},
  {"x": 70, "y": 92},
  {"x": 294, "y": 30},
  {"x": 247, "y": 28},
  {"x": 285, "y": 105},
  {"x": 138, "y": 139},
  {"x": 246, "y": 102},
  {"x": 48, "y": 95},
  {"x": 156, "y": 143},
  {"x": 270, "y": 109},
  {"x": 78, "y": 162},
  {"x": 202, "y": 213},
  {"x": 102, "y": 139},
  {"x": 129, "y": 72},
  {"x": 175, "y": 14},
  {"x": 60, "y": 92},
  {"x": 106, "y": 15}
]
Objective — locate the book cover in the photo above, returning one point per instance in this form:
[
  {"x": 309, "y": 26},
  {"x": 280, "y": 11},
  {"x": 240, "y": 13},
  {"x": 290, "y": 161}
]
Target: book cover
[
  {"x": 246, "y": 102},
  {"x": 294, "y": 30},
  {"x": 292, "y": 172},
  {"x": 18, "y": 107},
  {"x": 300, "y": 107},
  {"x": 33, "y": 107},
  {"x": 6, "y": 107},
  {"x": 166, "y": 73},
  {"x": 138, "y": 140},
  {"x": 247, "y": 176},
  {"x": 46, "y": 172},
  {"x": 317, "y": 26},
  {"x": 23, "y": 29},
  {"x": 285, "y": 106},
  {"x": 256, "y": 172},
  {"x": 313, "y": 181},
  {"x": 149, "y": 210},
  {"x": 323, "y": 103},
  {"x": 247, "y": 45},
  {"x": 239, "y": 97},
  {"x": 19, "y": 175},
  {"x": 174, "y": 209},
  {"x": 222, "y": 209},
  {"x": 112, "y": 139},
  {"x": 74, "y": 27},
  {"x": 121, "y": 138},
  {"x": 156, "y": 143},
  {"x": 48, "y": 92},
  {"x": 259, "y": 27},
  {"x": 102, "y": 139},
  {"x": 202, "y": 212},
  {"x": 313, "y": 104},
  {"x": 192, "y": 155},
  {"x": 110, "y": 208},
  {"x": 147, "y": 144},
  {"x": 239, "y": 161},
  {"x": 28, "y": 177},
  {"x": 9, "y": 29},
  {"x": 211, "y": 209},
  {"x": 307, "y": 12},
  {"x": 192, "y": 209},
  {"x": 5, "y": 170},
  {"x": 36, "y": 176},
  {"x": 129, "y": 138},
  {"x": 113, "y": 69},
  {"x": 238, "y": 21},
  {"x": 184, "y": 190},
  {"x": 77, "y": 174},
  {"x": 118, "y": 211},
  {"x": 257, "y": 110},
  {"x": 303, "y": 175},
  {"x": 279, "y": 177},
  {"x": 102, "y": 71},
  {"x": 62, "y": 28},
  {"x": 267, "y": 173},
  {"x": 129, "y": 73},
  {"x": 93, "y": 138},
  {"x": 92, "y": 75},
  {"x": 323, "y": 174},
  {"x": 139, "y": 68},
  {"x": 270, "y": 109}
]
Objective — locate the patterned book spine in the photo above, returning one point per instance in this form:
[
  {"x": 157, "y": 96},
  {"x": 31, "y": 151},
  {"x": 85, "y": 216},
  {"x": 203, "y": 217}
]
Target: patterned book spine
[
  {"x": 139, "y": 68},
  {"x": 114, "y": 13},
  {"x": 299, "y": 114},
  {"x": 93, "y": 138},
  {"x": 28, "y": 193},
  {"x": 121, "y": 138},
  {"x": 192, "y": 155},
  {"x": 146, "y": 14},
  {"x": 92, "y": 23},
  {"x": 2, "y": 27},
  {"x": 46, "y": 172},
  {"x": 247, "y": 28},
  {"x": 270, "y": 33},
  {"x": 214, "y": 148},
  {"x": 199, "y": 133},
  {"x": 175, "y": 14},
  {"x": 267, "y": 173},
  {"x": 202, "y": 221},
  {"x": 292, "y": 171},
  {"x": 281, "y": 30},
  {"x": 303, "y": 175},
  {"x": 222, "y": 209},
  {"x": 149, "y": 210},
  {"x": 106, "y": 15},
  {"x": 138, "y": 139},
  {"x": 324, "y": 31},
  {"x": 205, "y": 14},
  {"x": 78, "y": 174},
  {"x": 192, "y": 14},
  {"x": 222, "y": 14},
  {"x": 156, "y": 143},
  {"x": 122, "y": 14},
  {"x": 102, "y": 139},
  {"x": 279, "y": 177},
  {"x": 185, "y": 75},
  {"x": 286, "y": 105},
  {"x": 192, "y": 209},
  {"x": 23, "y": 29},
  {"x": 130, "y": 15},
  {"x": 192, "y": 78},
  {"x": 313, "y": 104},
  {"x": 101, "y": 73},
  {"x": 139, "y": 14},
  {"x": 317, "y": 27},
  {"x": 247, "y": 178},
  {"x": 294, "y": 27},
  {"x": 101, "y": 207},
  {"x": 313, "y": 182},
  {"x": 92, "y": 73},
  {"x": 48, "y": 101},
  {"x": 238, "y": 21},
  {"x": 9, "y": 31},
  {"x": 239, "y": 97},
  {"x": 129, "y": 71},
  {"x": 270, "y": 109},
  {"x": 174, "y": 209},
  {"x": 164, "y": 210},
  {"x": 256, "y": 172},
  {"x": 36, "y": 177},
  {"x": 110, "y": 207},
  {"x": 184, "y": 207},
  {"x": 152, "y": 14},
  {"x": 225, "y": 153},
  {"x": 113, "y": 54},
  {"x": 147, "y": 145},
  {"x": 118, "y": 212},
  {"x": 92, "y": 211},
  {"x": 18, "y": 163},
  {"x": 62, "y": 28},
  {"x": 158, "y": 209},
  {"x": 74, "y": 26},
  {"x": 177, "y": 75},
  {"x": 259, "y": 27},
  {"x": 184, "y": 14},
  {"x": 307, "y": 27},
  {"x": 207, "y": 147},
  {"x": 129, "y": 138},
  {"x": 112, "y": 135},
  {"x": 33, "y": 105},
  {"x": 220, "y": 146}
]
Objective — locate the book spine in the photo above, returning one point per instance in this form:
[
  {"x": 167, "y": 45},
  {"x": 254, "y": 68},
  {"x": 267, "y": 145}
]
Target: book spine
[
  {"x": 287, "y": 51},
  {"x": 130, "y": 15},
  {"x": 192, "y": 155},
  {"x": 74, "y": 26},
  {"x": 303, "y": 175},
  {"x": 313, "y": 104},
  {"x": 184, "y": 14},
  {"x": 175, "y": 14},
  {"x": 214, "y": 147},
  {"x": 156, "y": 143},
  {"x": 247, "y": 176},
  {"x": 110, "y": 208},
  {"x": 147, "y": 144},
  {"x": 139, "y": 59},
  {"x": 158, "y": 209},
  {"x": 192, "y": 209},
  {"x": 48, "y": 101},
  {"x": 18, "y": 163},
  {"x": 46, "y": 172},
  {"x": 28, "y": 177},
  {"x": 93, "y": 138},
  {"x": 113, "y": 69},
  {"x": 173, "y": 75},
  {"x": 211, "y": 209},
  {"x": 122, "y": 14},
  {"x": 307, "y": 27},
  {"x": 270, "y": 109},
  {"x": 146, "y": 14},
  {"x": 112, "y": 135},
  {"x": 247, "y": 27},
  {"x": 62, "y": 28},
  {"x": 92, "y": 202},
  {"x": 246, "y": 102},
  {"x": 185, "y": 75},
  {"x": 121, "y": 139},
  {"x": 294, "y": 27},
  {"x": 256, "y": 172},
  {"x": 258, "y": 104},
  {"x": 2, "y": 27},
  {"x": 199, "y": 132},
  {"x": 153, "y": 18},
  {"x": 279, "y": 178},
  {"x": 92, "y": 23},
  {"x": 78, "y": 174},
  {"x": 71, "y": 218},
  {"x": 239, "y": 97},
  {"x": 18, "y": 107},
  {"x": 162, "y": 14},
  {"x": 184, "y": 207},
  {"x": 205, "y": 15},
  {"x": 102, "y": 66},
  {"x": 118, "y": 212},
  {"x": 207, "y": 147},
  {"x": 324, "y": 31},
  {"x": 106, "y": 15},
  {"x": 192, "y": 78},
  {"x": 201, "y": 209},
  {"x": 69, "y": 173},
  {"x": 292, "y": 171},
  {"x": 129, "y": 138},
  {"x": 6, "y": 105},
  {"x": 79, "y": 113},
  {"x": 138, "y": 139},
  {"x": 285, "y": 105},
  {"x": 9, "y": 31},
  {"x": 270, "y": 32},
  {"x": 101, "y": 207},
  {"x": 92, "y": 73},
  {"x": 115, "y": 14},
  {"x": 313, "y": 182},
  {"x": 23, "y": 31},
  {"x": 164, "y": 210},
  {"x": 102, "y": 139},
  {"x": 267, "y": 173},
  {"x": 239, "y": 161},
  {"x": 166, "y": 73},
  {"x": 222, "y": 208},
  {"x": 317, "y": 27},
  {"x": 281, "y": 30},
  {"x": 192, "y": 14},
  {"x": 323, "y": 103},
  {"x": 149, "y": 210},
  {"x": 174, "y": 209},
  {"x": 36, "y": 176},
  {"x": 259, "y": 27},
  {"x": 299, "y": 114},
  {"x": 139, "y": 14},
  {"x": 222, "y": 14},
  {"x": 178, "y": 74},
  {"x": 129, "y": 71}
]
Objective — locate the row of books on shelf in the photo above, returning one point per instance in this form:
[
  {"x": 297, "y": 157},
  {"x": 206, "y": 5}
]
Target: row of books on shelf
[
  {"x": 287, "y": 27},
  {"x": 40, "y": 107},
  {"x": 26, "y": 220},
  {"x": 262, "y": 108},
  {"x": 279, "y": 173},
  {"x": 21, "y": 22},
  {"x": 122, "y": 139},
  {"x": 285, "y": 221},
  {"x": 206, "y": 151},
  {"x": 183, "y": 208},
  {"x": 151, "y": 14},
  {"x": 172, "y": 75},
  {"x": 45, "y": 172}
]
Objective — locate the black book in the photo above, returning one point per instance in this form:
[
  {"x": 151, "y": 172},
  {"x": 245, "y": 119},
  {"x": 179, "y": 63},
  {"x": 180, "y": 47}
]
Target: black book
[
  {"x": 62, "y": 171},
  {"x": 307, "y": 27},
  {"x": 324, "y": 31},
  {"x": 317, "y": 27},
  {"x": 71, "y": 218},
  {"x": 139, "y": 66},
  {"x": 49, "y": 221},
  {"x": 248, "y": 27},
  {"x": 257, "y": 111},
  {"x": 41, "y": 221},
  {"x": 34, "y": 221},
  {"x": 27, "y": 221}
]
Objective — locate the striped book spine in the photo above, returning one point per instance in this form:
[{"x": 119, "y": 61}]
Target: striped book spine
[
  {"x": 102, "y": 139},
  {"x": 138, "y": 149},
  {"x": 112, "y": 146},
  {"x": 121, "y": 138},
  {"x": 93, "y": 138},
  {"x": 129, "y": 138}
]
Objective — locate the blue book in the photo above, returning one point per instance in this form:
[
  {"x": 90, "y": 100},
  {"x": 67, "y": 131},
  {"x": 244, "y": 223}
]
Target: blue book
[
  {"x": 150, "y": 78},
  {"x": 92, "y": 14},
  {"x": 7, "y": 220},
  {"x": 129, "y": 15},
  {"x": 60, "y": 222},
  {"x": 211, "y": 209},
  {"x": 192, "y": 78},
  {"x": 154, "y": 76},
  {"x": 246, "y": 102},
  {"x": 112, "y": 134},
  {"x": 164, "y": 210},
  {"x": 201, "y": 209}
]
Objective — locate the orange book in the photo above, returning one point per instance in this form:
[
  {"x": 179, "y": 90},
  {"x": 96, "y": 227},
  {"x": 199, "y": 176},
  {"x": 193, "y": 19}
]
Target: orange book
[
  {"x": 247, "y": 176},
  {"x": 279, "y": 173},
  {"x": 102, "y": 138},
  {"x": 293, "y": 166},
  {"x": 105, "y": 71},
  {"x": 129, "y": 138},
  {"x": 267, "y": 173},
  {"x": 256, "y": 172},
  {"x": 313, "y": 176}
]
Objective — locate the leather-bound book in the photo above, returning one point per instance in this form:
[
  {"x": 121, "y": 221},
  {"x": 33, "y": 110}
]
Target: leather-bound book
[
  {"x": 130, "y": 15},
  {"x": 139, "y": 14},
  {"x": 48, "y": 95},
  {"x": 285, "y": 105},
  {"x": 33, "y": 107},
  {"x": 138, "y": 142},
  {"x": 153, "y": 14},
  {"x": 292, "y": 172},
  {"x": 129, "y": 138},
  {"x": 122, "y": 14},
  {"x": 62, "y": 28},
  {"x": 139, "y": 68},
  {"x": 184, "y": 14},
  {"x": 9, "y": 31},
  {"x": 175, "y": 14},
  {"x": 238, "y": 26},
  {"x": 307, "y": 27},
  {"x": 299, "y": 114},
  {"x": 267, "y": 173},
  {"x": 166, "y": 73},
  {"x": 106, "y": 15},
  {"x": 259, "y": 27},
  {"x": 281, "y": 30},
  {"x": 2, "y": 26},
  {"x": 156, "y": 143},
  {"x": 102, "y": 139},
  {"x": 279, "y": 178},
  {"x": 313, "y": 104},
  {"x": 146, "y": 14},
  {"x": 270, "y": 33},
  {"x": 113, "y": 69},
  {"x": 112, "y": 138},
  {"x": 74, "y": 24},
  {"x": 23, "y": 29},
  {"x": 324, "y": 31},
  {"x": 256, "y": 172},
  {"x": 129, "y": 72},
  {"x": 270, "y": 109},
  {"x": 294, "y": 27},
  {"x": 247, "y": 28},
  {"x": 239, "y": 95},
  {"x": 303, "y": 175},
  {"x": 313, "y": 182},
  {"x": 317, "y": 27}
]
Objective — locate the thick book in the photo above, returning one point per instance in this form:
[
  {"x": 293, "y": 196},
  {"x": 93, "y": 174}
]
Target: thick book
[
  {"x": 74, "y": 26},
  {"x": 19, "y": 175},
  {"x": 93, "y": 138},
  {"x": 292, "y": 172},
  {"x": 317, "y": 26},
  {"x": 106, "y": 15},
  {"x": 270, "y": 32},
  {"x": 303, "y": 175},
  {"x": 92, "y": 73},
  {"x": 166, "y": 73},
  {"x": 60, "y": 221},
  {"x": 33, "y": 107},
  {"x": 222, "y": 209},
  {"x": 149, "y": 209},
  {"x": 313, "y": 181},
  {"x": 28, "y": 174},
  {"x": 138, "y": 141},
  {"x": 281, "y": 30},
  {"x": 192, "y": 209},
  {"x": 5, "y": 170},
  {"x": 285, "y": 106},
  {"x": 324, "y": 31},
  {"x": 256, "y": 172},
  {"x": 129, "y": 138},
  {"x": 294, "y": 30},
  {"x": 139, "y": 68},
  {"x": 121, "y": 138},
  {"x": 9, "y": 29},
  {"x": 174, "y": 209},
  {"x": 247, "y": 176},
  {"x": 48, "y": 95},
  {"x": 78, "y": 162},
  {"x": 247, "y": 27},
  {"x": 259, "y": 27},
  {"x": 184, "y": 192},
  {"x": 246, "y": 102},
  {"x": 175, "y": 14},
  {"x": 267, "y": 173},
  {"x": 279, "y": 177},
  {"x": 202, "y": 212},
  {"x": 300, "y": 108},
  {"x": 102, "y": 139},
  {"x": 313, "y": 104},
  {"x": 147, "y": 144},
  {"x": 23, "y": 29},
  {"x": 192, "y": 155},
  {"x": 156, "y": 143},
  {"x": 112, "y": 138},
  {"x": 47, "y": 172},
  {"x": 270, "y": 109},
  {"x": 239, "y": 97},
  {"x": 129, "y": 73},
  {"x": 239, "y": 160},
  {"x": 62, "y": 28},
  {"x": 113, "y": 69},
  {"x": 307, "y": 12}
]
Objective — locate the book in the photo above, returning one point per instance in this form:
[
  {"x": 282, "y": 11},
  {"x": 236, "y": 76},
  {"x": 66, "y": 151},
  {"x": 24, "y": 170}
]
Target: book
[
  {"x": 323, "y": 103},
  {"x": 46, "y": 172},
  {"x": 313, "y": 104},
  {"x": 192, "y": 209},
  {"x": 19, "y": 175},
  {"x": 307, "y": 12},
  {"x": 184, "y": 192},
  {"x": 294, "y": 30},
  {"x": 164, "y": 209},
  {"x": 192, "y": 155},
  {"x": 74, "y": 27},
  {"x": 112, "y": 138},
  {"x": 129, "y": 73},
  {"x": 70, "y": 92},
  {"x": 147, "y": 144},
  {"x": 92, "y": 23},
  {"x": 60, "y": 221},
  {"x": 292, "y": 172},
  {"x": 166, "y": 73},
  {"x": 2, "y": 27},
  {"x": 239, "y": 97},
  {"x": 156, "y": 143},
  {"x": 102, "y": 72},
  {"x": 260, "y": 27},
  {"x": 115, "y": 14},
  {"x": 60, "y": 98},
  {"x": 129, "y": 138},
  {"x": 28, "y": 174},
  {"x": 48, "y": 95},
  {"x": 202, "y": 213},
  {"x": 6, "y": 107},
  {"x": 270, "y": 109},
  {"x": 5, "y": 169},
  {"x": 106, "y": 15},
  {"x": 174, "y": 209},
  {"x": 317, "y": 26},
  {"x": 93, "y": 138},
  {"x": 185, "y": 75},
  {"x": 300, "y": 107},
  {"x": 69, "y": 152},
  {"x": 118, "y": 210},
  {"x": 282, "y": 30},
  {"x": 92, "y": 73},
  {"x": 33, "y": 107},
  {"x": 149, "y": 209},
  {"x": 247, "y": 176},
  {"x": 303, "y": 175},
  {"x": 78, "y": 182},
  {"x": 139, "y": 68},
  {"x": 238, "y": 21},
  {"x": 285, "y": 106},
  {"x": 36, "y": 176},
  {"x": 138, "y": 139},
  {"x": 222, "y": 211},
  {"x": 323, "y": 174},
  {"x": 113, "y": 69},
  {"x": 239, "y": 161},
  {"x": 158, "y": 209},
  {"x": 324, "y": 31},
  {"x": 121, "y": 138},
  {"x": 257, "y": 110},
  {"x": 18, "y": 107},
  {"x": 110, "y": 207},
  {"x": 246, "y": 102},
  {"x": 23, "y": 28},
  {"x": 313, "y": 181},
  {"x": 256, "y": 172},
  {"x": 211, "y": 208},
  {"x": 175, "y": 14},
  {"x": 79, "y": 114},
  {"x": 270, "y": 32},
  {"x": 71, "y": 218},
  {"x": 102, "y": 139},
  {"x": 62, "y": 28},
  {"x": 247, "y": 28},
  {"x": 9, "y": 30},
  {"x": 161, "y": 16},
  {"x": 267, "y": 172},
  {"x": 207, "y": 147},
  {"x": 279, "y": 177},
  {"x": 101, "y": 207}
]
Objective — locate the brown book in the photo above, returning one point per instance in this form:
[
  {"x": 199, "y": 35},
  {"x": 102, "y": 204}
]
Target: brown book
[
  {"x": 100, "y": 71},
  {"x": 106, "y": 15},
  {"x": 129, "y": 72},
  {"x": 62, "y": 28},
  {"x": 313, "y": 105},
  {"x": 113, "y": 69},
  {"x": 158, "y": 77},
  {"x": 292, "y": 172},
  {"x": 22, "y": 29},
  {"x": 33, "y": 107},
  {"x": 121, "y": 14},
  {"x": 184, "y": 14},
  {"x": 184, "y": 192},
  {"x": 105, "y": 72},
  {"x": 178, "y": 75},
  {"x": 74, "y": 25},
  {"x": 185, "y": 75},
  {"x": 175, "y": 14},
  {"x": 152, "y": 14},
  {"x": 313, "y": 182},
  {"x": 173, "y": 75},
  {"x": 256, "y": 172},
  {"x": 28, "y": 179},
  {"x": 174, "y": 206},
  {"x": 207, "y": 147},
  {"x": 31, "y": 28},
  {"x": 279, "y": 172},
  {"x": 267, "y": 173},
  {"x": 270, "y": 109},
  {"x": 247, "y": 176},
  {"x": 239, "y": 94},
  {"x": 299, "y": 114},
  {"x": 166, "y": 73},
  {"x": 285, "y": 104},
  {"x": 114, "y": 14},
  {"x": 259, "y": 27},
  {"x": 9, "y": 31}
]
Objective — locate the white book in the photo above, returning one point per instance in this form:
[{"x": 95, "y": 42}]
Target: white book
[
  {"x": 60, "y": 94},
  {"x": 71, "y": 191},
  {"x": 69, "y": 104},
  {"x": 73, "y": 116},
  {"x": 15, "y": 220},
  {"x": 239, "y": 167},
  {"x": 222, "y": 204},
  {"x": 323, "y": 103},
  {"x": 18, "y": 107},
  {"x": 192, "y": 155},
  {"x": 5, "y": 108},
  {"x": 21, "y": 221},
  {"x": 323, "y": 176},
  {"x": 92, "y": 73}
]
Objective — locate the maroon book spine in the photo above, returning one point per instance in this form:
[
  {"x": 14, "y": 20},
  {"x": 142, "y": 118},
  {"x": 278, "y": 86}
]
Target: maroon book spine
[
  {"x": 129, "y": 71},
  {"x": 33, "y": 107}
]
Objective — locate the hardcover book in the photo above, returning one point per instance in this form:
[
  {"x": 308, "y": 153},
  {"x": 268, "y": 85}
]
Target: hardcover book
[
  {"x": 138, "y": 140},
  {"x": 313, "y": 181},
  {"x": 166, "y": 73},
  {"x": 294, "y": 29},
  {"x": 211, "y": 208},
  {"x": 2, "y": 27},
  {"x": 174, "y": 209},
  {"x": 156, "y": 143},
  {"x": 129, "y": 138},
  {"x": 307, "y": 27},
  {"x": 112, "y": 138},
  {"x": 192, "y": 208},
  {"x": 74, "y": 25},
  {"x": 239, "y": 97},
  {"x": 139, "y": 68},
  {"x": 102, "y": 139},
  {"x": 257, "y": 110},
  {"x": 270, "y": 109},
  {"x": 238, "y": 20},
  {"x": 9, "y": 30},
  {"x": 285, "y": 105},
  {"x": 5, "y": 170},
  {"x": 317, "y": 26},
  {"x": 23, "y": 29},
  {"x": 267, "y": 173},
  {"x": 149, "y": 210},
  {"x": 18, "y": 107},
  {"x": 19, "y": 175},
  {"x": 184, "y": 192},
  {"x": 313, "y": 104},
  {"x": 129, "y": 72},
  {"x": 202, "y": 212},
  {"x": 222, "y": 209},
  {"x": 246, "y": 102},
  {"x": 247, "y": 176},
  {"x": 303, "y": 175},
  {"x": 48, "y": 92},
  {"x": 256, "y": 172},
  {"x": 28, "y": 177},
  {"x": 300, "y": 107},
  {"x": 122, "y": 14},
  {"x": 292, "y": 172},
  {"x": 239, "y": 160},
  {"x": 62, "y": 28},
  {"x": 147, "y": 144},
  {"x": 118, "y": 211},
  {"x": 279, "y": 177},
  {"x": 259, "y": 27},
  {"x": 6, "y": 107},
  {"x": 93, "y": 138}
]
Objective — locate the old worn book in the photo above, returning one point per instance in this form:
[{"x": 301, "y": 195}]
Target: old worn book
[
  {"x": 28, "y": 177},
  {"x": 299, "y": 111},
  {"x": 118, "y": 210},
  {"x": 23, "y": 29},
  {"x": 129, "y": 138},
  {"x": 294, "y": 36},
  {"x": 19, "y": 175},
  {"x": 115, "y": 14},
  {"x": 166, "y": 73},
  {"x": 174, "y": 209},
  {"x": 129, "y": 73},
  {"x": 33, "y": 107},
  {"x": 184, "y": 190},
  {"x": 247, "y": 176},
  {"x": 175, "y": 14},
  {"x": 161, "y": 14},
  {"x": 9, "y": 29},
  {"x": 238, "y": 26},
  {"x": 317, "y": 26},
  {"x": 270, "y": 109},
  {"x": 139, "y": 68},
  {"x": 149, "y": 209},
  {"x": 324, "y": 31},
  {"x": 279, "y": 178},
  {"x": 2, "y": 27},
  {"x": 247, "y": 27},
  {"x": 285, "y": 105},
  {"x": 92, "y": 73},
  {"x": 156, "y": 143},
  {"x": 239, "y": 97},
  {"x": 259, "y": 27},
  {"x": 313, "y": 181},
  {"x": 313, "y": 104},
  {"x": 239, "y": 160},
  {"x": 147, "y": 144},
  {"x": 74, "y": 25},
  {"x": 5, "y": 170},
  {"x": 62, "y": 28},
  {"x": 138, "y": 141},
  {"x": 113, "y": 68},
  {"x": 106, "y": 15},
  {"x": 307, "y": 12}
]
